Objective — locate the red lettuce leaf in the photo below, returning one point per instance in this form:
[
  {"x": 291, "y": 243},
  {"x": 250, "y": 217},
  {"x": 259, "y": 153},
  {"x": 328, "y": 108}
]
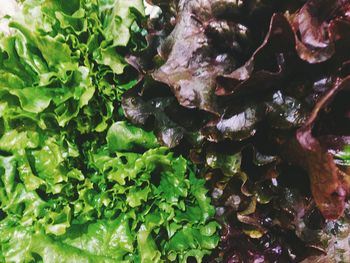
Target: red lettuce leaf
[
  {"x": 317, "y": 28},
  {"x": 266, "y": 75},
  {"x": 329, "y": 185},
  {"x": 195, "y": 58},
  {"x": 266, "y": 64}
]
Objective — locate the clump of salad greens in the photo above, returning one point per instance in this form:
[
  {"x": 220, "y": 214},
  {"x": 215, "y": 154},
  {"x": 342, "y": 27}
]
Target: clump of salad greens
[
  {"x": 256, "y": 92},
  {"x": 77, "y": 182},
  {"x": 126, "y": 205}
]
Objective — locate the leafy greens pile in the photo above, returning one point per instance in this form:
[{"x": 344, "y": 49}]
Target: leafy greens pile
[
  {"x": 256, "y": 93},
  {"x": 77, "y": 182}
]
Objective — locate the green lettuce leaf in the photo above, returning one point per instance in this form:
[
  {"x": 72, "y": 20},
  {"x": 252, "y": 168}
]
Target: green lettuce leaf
[
  {"x": 77, "y": 182},
  {"x": 128, "y": 207}
]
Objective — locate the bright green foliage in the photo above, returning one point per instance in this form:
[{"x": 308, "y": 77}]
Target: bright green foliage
[
  {"x": 63, "y": 63},
  {"x": 75, "y": 184},
  {"x": 123, "y": 206},
  {"x": 343, "y": 157}
]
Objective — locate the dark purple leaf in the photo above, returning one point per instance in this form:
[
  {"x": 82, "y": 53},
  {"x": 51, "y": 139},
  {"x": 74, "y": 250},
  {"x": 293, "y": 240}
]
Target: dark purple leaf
[
  {"x": 328, "y": 184},
  {"x": 196, "y": 57},
  {"x": 266, "y": 64},
  {"x": 315, "y": 29}
]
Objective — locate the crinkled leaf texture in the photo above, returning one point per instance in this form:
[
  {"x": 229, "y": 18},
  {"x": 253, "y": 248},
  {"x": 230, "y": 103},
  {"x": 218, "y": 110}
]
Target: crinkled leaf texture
[
  {"x": 76, "y": 185},
  {"x": 202, "y": 55},
  {"x": 129, "y": 206},
  {"x": 321, "y": 165},
  {"x": 269, "y": 77}
]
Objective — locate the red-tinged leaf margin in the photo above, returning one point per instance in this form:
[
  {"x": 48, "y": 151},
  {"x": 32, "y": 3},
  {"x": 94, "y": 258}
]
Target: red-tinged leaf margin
[{"x": 328, "y": 183}]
